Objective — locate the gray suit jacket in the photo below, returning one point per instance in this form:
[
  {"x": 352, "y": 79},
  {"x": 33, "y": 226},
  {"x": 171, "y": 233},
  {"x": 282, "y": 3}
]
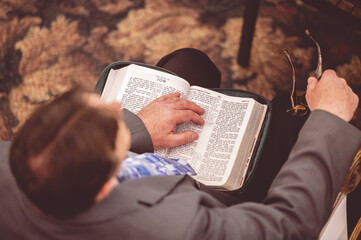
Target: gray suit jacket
[
  {"x": 297, "y": 206},
  {"x": 141, "y": 141}
]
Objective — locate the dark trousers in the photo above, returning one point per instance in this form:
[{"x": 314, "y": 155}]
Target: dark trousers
[{"x": 196, "y": 67}]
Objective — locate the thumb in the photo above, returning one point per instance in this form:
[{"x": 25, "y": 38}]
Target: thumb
[{"x": 311, "y": 83}]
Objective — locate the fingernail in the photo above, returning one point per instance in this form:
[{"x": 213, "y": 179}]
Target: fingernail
[{"x": 194, "y": 136}]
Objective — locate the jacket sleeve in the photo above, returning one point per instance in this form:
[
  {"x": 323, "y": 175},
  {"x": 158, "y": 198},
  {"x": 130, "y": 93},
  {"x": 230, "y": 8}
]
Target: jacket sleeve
[
  {"x": 301, "y": 196},
  {"x": 141, "y": 140}
]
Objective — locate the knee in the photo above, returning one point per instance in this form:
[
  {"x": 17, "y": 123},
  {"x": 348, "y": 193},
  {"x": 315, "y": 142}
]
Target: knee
[{"x": 190, "y": 52}]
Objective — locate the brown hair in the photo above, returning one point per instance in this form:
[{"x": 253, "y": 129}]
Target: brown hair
[{"x": 64, "y": 153}]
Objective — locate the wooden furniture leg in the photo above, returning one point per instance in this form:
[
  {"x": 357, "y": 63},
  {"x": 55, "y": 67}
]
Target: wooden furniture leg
[{"x": 249, "y": 22}]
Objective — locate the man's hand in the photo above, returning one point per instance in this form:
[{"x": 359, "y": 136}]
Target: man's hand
[
  {"x": 331, "y": 94},
  {"x": 161, "y": 116}
]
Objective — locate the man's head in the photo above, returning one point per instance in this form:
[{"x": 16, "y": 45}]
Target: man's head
[{"x": 67, "y": 151}]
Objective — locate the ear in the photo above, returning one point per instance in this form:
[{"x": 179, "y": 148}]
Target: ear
[{"x": 106, "y": 189}]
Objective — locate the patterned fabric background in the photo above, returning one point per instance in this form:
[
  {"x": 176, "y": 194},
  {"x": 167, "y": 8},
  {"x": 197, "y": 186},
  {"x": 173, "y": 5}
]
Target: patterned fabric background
[{"x": 48, "y": 46}]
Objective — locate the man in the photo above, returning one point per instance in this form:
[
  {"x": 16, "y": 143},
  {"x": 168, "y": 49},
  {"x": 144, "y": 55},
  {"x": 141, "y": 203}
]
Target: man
[{"x": 66, "y": 156}]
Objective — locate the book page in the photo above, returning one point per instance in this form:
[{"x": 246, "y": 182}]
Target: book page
[
  {"x": 249, "y": 143},
  {"x": 213, "y": 155},
  {"x": 141, "y": 85},
  {"x": 106, "y": 95},
  {"x": 336, "y": 226}
]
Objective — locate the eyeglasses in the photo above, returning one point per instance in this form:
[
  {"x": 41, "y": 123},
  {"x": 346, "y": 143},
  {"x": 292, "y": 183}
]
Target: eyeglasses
[{"x": 299, "y": 107}]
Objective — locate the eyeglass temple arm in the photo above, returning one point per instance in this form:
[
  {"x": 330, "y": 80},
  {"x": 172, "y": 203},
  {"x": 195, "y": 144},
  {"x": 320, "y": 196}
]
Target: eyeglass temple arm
[
  {"x": 318, "y": 71},
  {"x": 293, "y": 77}
]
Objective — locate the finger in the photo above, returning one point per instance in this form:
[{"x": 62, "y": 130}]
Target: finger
[
  {"x": 343, "y": 81},
  {"x": 181, "y": 138},
  {"x": 164, "y": 97},
  {"x": 172, "y": 99},
  {"x": 311, "y": 83},
  {"x": 329, "y": 73},
  {"x": 188, "y": 115},
  {"x": 184, "y": 104},
  {"x": 355, "y": 100}
]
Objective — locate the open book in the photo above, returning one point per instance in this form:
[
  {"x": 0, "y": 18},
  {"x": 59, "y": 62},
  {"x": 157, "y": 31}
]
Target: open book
[{"x": 222, "y": 153}]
